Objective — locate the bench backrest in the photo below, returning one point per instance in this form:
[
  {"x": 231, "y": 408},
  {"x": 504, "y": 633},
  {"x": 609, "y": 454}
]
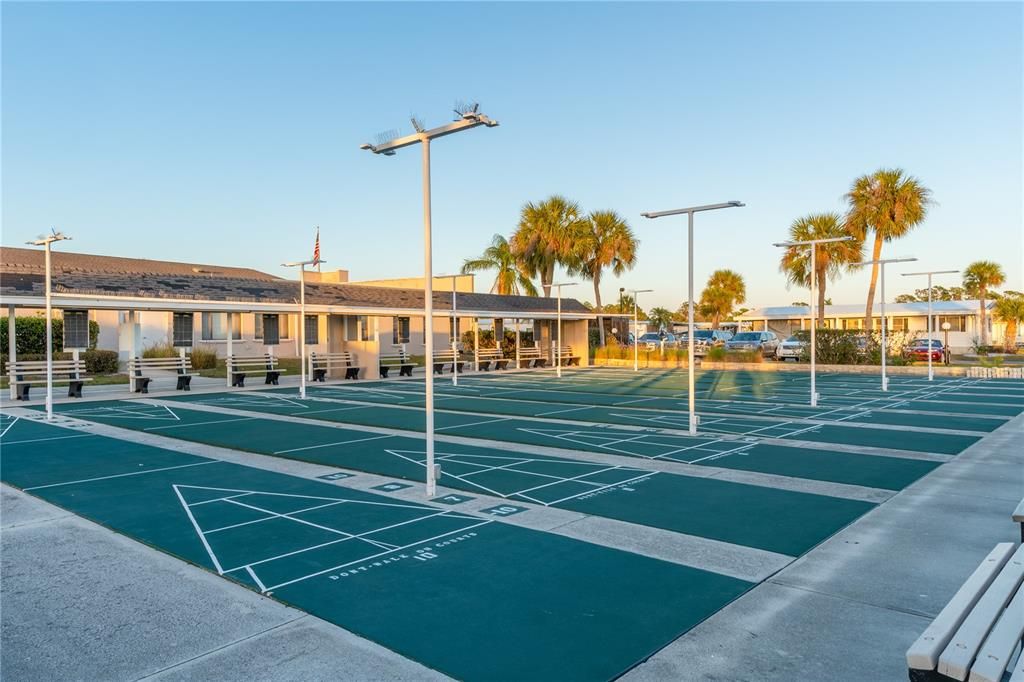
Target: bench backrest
[
  {"x": 252, "y": 361},
  {"x": 181, "y": 365},
  {"x": 401, "y": 357},
  {"x": 924, "y": 653},
  {"x": 329, "y": 360},
  {"x": 530, "y": 352},
  {"x": 19, "y": 369},
  {"x": 490, "y": 354}
]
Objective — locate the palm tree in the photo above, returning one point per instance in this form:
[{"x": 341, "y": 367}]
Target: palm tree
[
  {"x": 978, "y": 277},
  {"x": 829, "y": 259},
  {"x": 887, "y": 203},
  {"x": 660, "y": 317},
  {"x": 547, "y": 236},
  {"x": 725, "y": 288},
  {"x": 1010, "y": 309},
  {"x": 607, "y": 243},
  {"x": 512, "y": 278}
]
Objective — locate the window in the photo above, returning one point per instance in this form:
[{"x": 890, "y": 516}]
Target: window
[
  {"x": 900, "y": 324},
  {"x": 453, "y": 329},
  {"x": 357, "y": 328},
  {"x": 215, "y": 326},
  {"x": 182, "y": 330},
  {"x": 76, "y": 329},
  {"x": 283, "y": 328},
  {"x": 957, "y": 323},
  {"x": 400, "y": 330},
  {"x": 312, "y": 329},
  {"x": 853, "y": 323}
]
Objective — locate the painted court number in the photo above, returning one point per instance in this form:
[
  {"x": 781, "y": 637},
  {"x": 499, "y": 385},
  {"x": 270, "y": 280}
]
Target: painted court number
[
  {"x": 503, "y": 510},
  {"x": 335, "y": 476}
]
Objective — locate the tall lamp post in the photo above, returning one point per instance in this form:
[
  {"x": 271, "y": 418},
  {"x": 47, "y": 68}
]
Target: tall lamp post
[
  {"x": 45, "y": 242},
  {"x": 557, "y": 355},
  {"x": 882, "y": 262},
  {"x": 946, "y": 326},
  {"x": 466, "y": 118},
  {"x": 689, "y": 211},
  {"x": 301, "y": 265},
  {"x": 931, "y": 374},
  {"x": 455, "y": 334},
  {"x": 636, "y": 346},
  {"x": 813, "y": 243}
]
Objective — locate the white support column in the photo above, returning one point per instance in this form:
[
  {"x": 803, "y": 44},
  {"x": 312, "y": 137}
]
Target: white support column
[
  {"x": 12, "y": 346},
  {"x": 517, "y": 343},
  {"x": 229, "y": 351},
  {"x": 476, "y": 344}
]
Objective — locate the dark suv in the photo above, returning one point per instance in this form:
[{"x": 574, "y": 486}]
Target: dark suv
[{"x": 766, "y": 342}]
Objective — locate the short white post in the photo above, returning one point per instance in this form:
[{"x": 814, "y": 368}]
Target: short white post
[
  {"x": 12, "y": 349},
  {"x": 476, "y": 344},
  {"x": 228, "y": 348},
  {"x": 517, "y": 343}
]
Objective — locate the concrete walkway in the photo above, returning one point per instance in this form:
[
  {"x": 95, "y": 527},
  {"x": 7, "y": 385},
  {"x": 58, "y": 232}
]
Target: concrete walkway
[{"x": 850, "y": 608}]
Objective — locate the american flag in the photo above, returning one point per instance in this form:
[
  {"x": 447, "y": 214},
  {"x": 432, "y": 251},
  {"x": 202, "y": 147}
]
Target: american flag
[{"x": 316, "y": 248}]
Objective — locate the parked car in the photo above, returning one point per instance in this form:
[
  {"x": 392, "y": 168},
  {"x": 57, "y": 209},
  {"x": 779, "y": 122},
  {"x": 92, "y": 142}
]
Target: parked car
[
  {"x": 918, "y": 350},
  {"x": 652, "y": 340},
  {"x": 766, "y": 342},
  {"x": 704, "y": 339},
  {"x": 793, "y": 347}
]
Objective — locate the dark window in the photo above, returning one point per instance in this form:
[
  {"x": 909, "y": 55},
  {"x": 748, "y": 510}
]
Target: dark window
[
  {"x": 312, "y": 329},
  {"x": 400, "y": 330},
  {"x": 268, "y": 329},
  {"x": 181, "y": 330},
  {"x": 76, "y": 329},
  {"x": 215, "y": 326}
]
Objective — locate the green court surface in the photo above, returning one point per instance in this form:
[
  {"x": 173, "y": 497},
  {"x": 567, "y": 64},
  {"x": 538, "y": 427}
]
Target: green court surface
[
  {"x": 464, "y": 594},
  {"x": 766, "y": 518},
  {"x": 512, "y": 429},
  {"x": 889, "y": 473}
]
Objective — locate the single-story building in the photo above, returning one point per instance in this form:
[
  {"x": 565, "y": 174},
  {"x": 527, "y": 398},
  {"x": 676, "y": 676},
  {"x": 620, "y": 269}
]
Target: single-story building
[
  {"x": 963, "y": 317},
  {"x": 140, "y": 303}
]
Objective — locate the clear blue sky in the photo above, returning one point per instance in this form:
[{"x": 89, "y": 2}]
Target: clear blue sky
[{"x": 224, "y": 132}]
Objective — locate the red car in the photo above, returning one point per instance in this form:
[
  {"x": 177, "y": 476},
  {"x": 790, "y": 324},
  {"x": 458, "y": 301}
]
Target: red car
[{"x": 918, "y": 350}]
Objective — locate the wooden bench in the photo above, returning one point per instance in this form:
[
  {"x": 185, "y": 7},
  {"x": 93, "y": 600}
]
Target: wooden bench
[
  {"x": 531, "y": 357},
  {"x": 977, "y": 632},
  {"x": 400, "y": 360},
  {"x": 487, "y": 357},
  {"x": 139, "y": 367},
  {"x": 240, "y": 366},
  {"x": 323, "y": 363},
  {"x": 567, "y": 358},
  {"x": 447, "y": 357},
  {"x": 1018, "y": 517},
  {"x": 25, "y": 373}
]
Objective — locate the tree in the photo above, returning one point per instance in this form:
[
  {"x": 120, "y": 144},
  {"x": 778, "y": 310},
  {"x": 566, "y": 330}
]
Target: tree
[
  {"x": 512, "y": 277},
  {"x": 660, "y": 317},
  {"x": 606, "y": 242},
  {"x": 979, "y": 276},
  {"x": 939, "y": 293},
  {"x": 547, "y": 236},
  {"x": 1010, "y": 309},
  {"x": 829, "y": 259},
  {"x": 722, "y": 292},
  {"x": 888, "y": 204}
]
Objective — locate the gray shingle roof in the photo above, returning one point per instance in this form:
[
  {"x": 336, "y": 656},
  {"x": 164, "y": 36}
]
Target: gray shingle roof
[{"x": 161, "y": 284}]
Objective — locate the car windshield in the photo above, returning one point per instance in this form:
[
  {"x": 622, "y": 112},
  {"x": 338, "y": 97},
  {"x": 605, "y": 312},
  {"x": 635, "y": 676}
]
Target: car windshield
[
  {"x": 923, "y": 343},
  {"x": 792, "y": 339},
  {"x": 747, "y": 336},
  {"x": 650, "y": 336},
  {"x": 703, "y": 334}
]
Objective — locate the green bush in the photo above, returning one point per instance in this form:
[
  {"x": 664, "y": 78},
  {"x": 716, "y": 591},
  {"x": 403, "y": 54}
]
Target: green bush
[
  {"x": 96, "y": 361},
  {"x": 30, "y": 334},
  {"x": 165, "y": 350},
  {"x": 716, "y": 354},
  {"x": 203, "y": 358},
  {"x": 750, "y": 356}
]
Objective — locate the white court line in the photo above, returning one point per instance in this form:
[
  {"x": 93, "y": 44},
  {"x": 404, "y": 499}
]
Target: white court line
[
  {"x": 133, "y": 473},
  {"x": 397, "y": 549},
  {"x": 259, "y": 583},
  {"x": 568, "y": 409},
  {"x": 486, "y": 421},
  {"x": 610, "y": 485},
  {"x": 199, "y": 531},
  {"x": 327, "y": 445},
  {"x": 306, "y": 523},
  {"x": 13, "y": 421},
  {"x": 446, "y": 473},
  {"x": 217, "y": 421},
  {"x": 573, "y": 478},
  {"x": 39, "y": 440},
  {"x": 305, "y": 497},
  {"x": 265, "y": 518}
]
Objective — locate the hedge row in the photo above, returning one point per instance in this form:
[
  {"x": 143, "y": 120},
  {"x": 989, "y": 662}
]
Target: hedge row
[
  {"x": 30, "y": 335},
  {"x": 96, "y": 361}
]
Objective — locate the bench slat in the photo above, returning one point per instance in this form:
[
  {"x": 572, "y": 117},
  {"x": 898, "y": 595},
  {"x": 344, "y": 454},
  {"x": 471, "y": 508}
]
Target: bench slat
[
  {"x": 1018, "y": 670},
  {"x": 958, "y": 655},
  {"x": 924, "y": 653},
  {"x": 1018, "y": 513},
  {"x": 994, "y": 656}
]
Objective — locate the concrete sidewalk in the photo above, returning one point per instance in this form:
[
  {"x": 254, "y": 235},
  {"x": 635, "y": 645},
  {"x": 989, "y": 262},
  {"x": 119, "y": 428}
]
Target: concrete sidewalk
[{"x": 850, "y": 608}]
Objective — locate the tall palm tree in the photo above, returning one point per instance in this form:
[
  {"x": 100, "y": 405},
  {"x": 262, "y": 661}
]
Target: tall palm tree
[
  {"x": 660, "y": 318},
  {"x": 978, "y": 277},
  {"x": 724, "y": 289},
  {"x": 607, "y": 242},
  {"x": 888, "y": 204},
  {"x": 547, "y": 236},
  {"x": 1010, "y": 309},
  {"x": 512, "y": 278},
  {"x": 829, "y": 259}
]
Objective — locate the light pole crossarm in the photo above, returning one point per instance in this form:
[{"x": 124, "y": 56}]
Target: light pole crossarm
[
  {"x": 465, "y": 123},
  {"x": 692, "y": 209}
]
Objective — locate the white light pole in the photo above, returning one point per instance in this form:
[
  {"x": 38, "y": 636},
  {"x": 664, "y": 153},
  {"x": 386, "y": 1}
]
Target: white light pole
[
  {"x": 636, "y": 346},
  {"x": 466, "y": 118},
  {"x": 813, "y": 243},
  {"x": 301, "y": 265},
  {"x": 882, "y": 263},
  {"x": 931, "y": 374},
  {"x": 45, "y": 242},
  {"x": 455, "y": 333},
  {"x": 557, "y": 355},
  {"x": 689, "y": 270}
]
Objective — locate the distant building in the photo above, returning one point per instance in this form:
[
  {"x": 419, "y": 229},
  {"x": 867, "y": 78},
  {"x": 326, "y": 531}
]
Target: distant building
[{"x": 963, "y": 317}]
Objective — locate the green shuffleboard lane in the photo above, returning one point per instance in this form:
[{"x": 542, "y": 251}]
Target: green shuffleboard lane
[
  {"x": 463, "y": 594},
  {"x": 737, "y": 513}
]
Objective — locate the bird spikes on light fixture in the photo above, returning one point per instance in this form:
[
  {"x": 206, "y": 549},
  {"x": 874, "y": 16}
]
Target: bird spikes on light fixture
[
  {"x": 417, "y": 123},
  {"x": 386, "y": 136},
  {"x": 463, "y": 109}
]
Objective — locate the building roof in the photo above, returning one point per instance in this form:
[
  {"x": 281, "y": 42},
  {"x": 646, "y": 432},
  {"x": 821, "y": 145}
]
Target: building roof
[
  {"x": 23, "y": 277},
  {"x": 793, "y": 312},
  {"x": 32, "y": 261}
]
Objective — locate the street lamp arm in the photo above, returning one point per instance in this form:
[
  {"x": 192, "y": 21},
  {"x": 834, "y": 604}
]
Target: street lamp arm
[
  {"x": 692, "y": 209},
  {"x": 466, "y": 122}
]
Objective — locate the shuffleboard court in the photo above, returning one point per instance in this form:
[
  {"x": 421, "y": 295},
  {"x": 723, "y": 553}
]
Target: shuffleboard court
[
  {"x": 741, "y": 514},
  {"x": 875, "y": 471},
  {"x": 466, "y": 595}
]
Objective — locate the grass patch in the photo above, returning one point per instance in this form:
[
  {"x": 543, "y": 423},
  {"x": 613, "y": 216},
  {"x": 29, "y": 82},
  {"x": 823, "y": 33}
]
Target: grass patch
[{"x": 97, "y": 380}]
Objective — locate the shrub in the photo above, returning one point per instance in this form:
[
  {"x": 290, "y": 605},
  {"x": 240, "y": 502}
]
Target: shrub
[
  {"x": 203, "y": 358},
  {"x": 30, "y": 334},
  {"x": 716, "y": 354},
  {"x": 754, "y": 356},
  {"x": 96, "y": 361},
  {"x": 158, "y": 350}
]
